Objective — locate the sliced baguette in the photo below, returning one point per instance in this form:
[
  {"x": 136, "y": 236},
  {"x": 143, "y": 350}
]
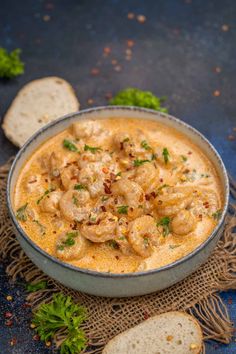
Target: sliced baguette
[
  {"x": 168, "y": 333},
  {"x": 36, "y": 104}
]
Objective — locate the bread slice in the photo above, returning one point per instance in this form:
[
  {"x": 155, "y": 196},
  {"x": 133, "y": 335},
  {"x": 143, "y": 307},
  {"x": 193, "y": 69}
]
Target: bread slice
[
  {"x": 168, "y": 333},
  {"x": 36, "y": 104}
]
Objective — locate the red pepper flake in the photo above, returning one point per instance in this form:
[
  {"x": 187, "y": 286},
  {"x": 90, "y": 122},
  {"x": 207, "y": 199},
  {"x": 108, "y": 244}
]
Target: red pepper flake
[
  {"x": 106, "y": 51},
  {"x": 217, "y": 69},
  {"x": 8, "y": 323},
  {"x": 141, "y": 18},
  {"x": 13, "y": 341},
  {"x": 108, "y": 96},
  {"x": 231, "y": 137},
  {"x": 128, "y": 52},
  {"x": 230, "y": 301},
  {"x": 216, "y": 93},
  {"x": 117, "y": 257},
  {"x": 130, "y": 43},
  {"x": 103, "y": 208},
  {"x": 36, "y": 337},
  {"x": 49, "y": 6},
  {"x": 105, "y": 170},
  {"x": 146, "y": 315},
  {"x": 118, "y": 68},
  {"x": 161, "y": 180},
  {"x": 26, "y": 305},
  {"x": 114, "y": 61},
  {"x": 107, "y": 188},
  {"x": 8, "y": 314},
  {"x": 189, "y": 152},
  {"x": 95, "y": 71},
  {"x": 131, "y": 16},
  {"x": 225, "y": 28},
  {"x": 90, "y": 101}
]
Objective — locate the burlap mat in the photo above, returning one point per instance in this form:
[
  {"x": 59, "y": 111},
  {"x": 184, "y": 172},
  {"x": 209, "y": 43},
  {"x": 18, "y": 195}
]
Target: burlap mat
[{"x": 196, "y": 294}]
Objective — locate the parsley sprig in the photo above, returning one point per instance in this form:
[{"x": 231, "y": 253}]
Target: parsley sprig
[
  {"x": 62, "y": 314},
  {"x": 217, "y": 214},
  {"x": 165, "y": 223},
  {"x": 35, "y": 287},
  {"x": 145, "y": 145},
  {"x": 123, "y": 209},
  {"x": 44, "y": 195},
  {"x": 21, "y": 213},
  {"x": 10, "y": 63},
  {"x": 92, "y": 149},
  {"x": 166, "y": 155},
  {"x": 80, "y": 187},
  {"x": 70, "y": 145},
  {"x": 138, "y": 162}
]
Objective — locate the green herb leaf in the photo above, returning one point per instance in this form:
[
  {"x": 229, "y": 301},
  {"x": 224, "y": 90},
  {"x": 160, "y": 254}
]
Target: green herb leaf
[
  {"x": 145, "y": 145},
  {"x": 70, "y": 145},
  {"x": 118, "y": 174},
  {"x": 125, "y": 140},
  {"x": 184, "y": 158},
  {"x": 21, "y": 213},
  {"x": 159, "y": 189},
  {"x": 62, "y": 314},
  {"x": 38, "y": 286},
  {"x": 42, "y": 228},
  {"x": 173, "y": 246},
  {"x": 165, "y": 223},
  {"x": 44, "y": 195},
  {"x": 80, "y": 187},
  {"x": 217, "y": 214},
  {"x": 139, "y": 98},
  {"x": 166, "y": 155},
  {"x": 75, "y": 200},
  {"x": 138, "y": 162},
  {"x": 113, "y": 244},
  {"x": 92, "y": 149},
  {"x": 10, "y": 63},
  {"x": 123, "y": 209}
]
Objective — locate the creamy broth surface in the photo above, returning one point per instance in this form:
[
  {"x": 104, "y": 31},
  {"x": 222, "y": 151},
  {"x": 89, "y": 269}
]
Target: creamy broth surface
[{"x": 118, "y": 195}]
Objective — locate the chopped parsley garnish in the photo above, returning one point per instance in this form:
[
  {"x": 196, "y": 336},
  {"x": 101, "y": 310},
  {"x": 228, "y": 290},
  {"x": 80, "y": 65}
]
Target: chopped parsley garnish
[
  {"x": 165, "y": 223},
  {"x": 146, "y": 240},
  {"x": 10, "y": 63},
  {"x": 118, "y": 174},
  {"x": 125, "y": 140},
  {"x": 184, "y": 158},
  {"x": 44, "y": 195},
  {"x": 139, "y": 98},
  {"x": 145, "y": 145},
  {"x": 154, "y": 157},
  {"x": 21, "y": 213},
  {"x": 79, "y": 187},
  {"x": 166, "y": 155},
  {"x": 69, "y": 241},
  {"x": 42, "y": 228},
  {"x": 35, "y": 287},
  {"x": 217, "y": 214},
  {"x": 92, "y": 149},
  {"x": 104, "y": 198},
  {"x": 138, "y": 162},
  {"x": 61, "y": 314},
  {"x": 173, "y": 246},
  {"x": 113, "y": 244},
  {"x": 75, "y": 200},
  {"x": 159, "y": 189},
  {"x": 123, "y": 209},
  {"x": 70, "y": 145}
]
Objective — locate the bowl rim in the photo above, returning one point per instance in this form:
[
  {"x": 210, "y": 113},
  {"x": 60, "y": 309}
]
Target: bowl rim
[{"x": 94, "y": 273}]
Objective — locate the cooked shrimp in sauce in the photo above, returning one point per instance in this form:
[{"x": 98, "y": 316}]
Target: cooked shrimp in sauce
[{"x": 118, "y": 195}]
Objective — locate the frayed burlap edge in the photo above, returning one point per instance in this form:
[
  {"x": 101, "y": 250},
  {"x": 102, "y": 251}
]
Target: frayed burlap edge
[{"x": 107, "y": 317}]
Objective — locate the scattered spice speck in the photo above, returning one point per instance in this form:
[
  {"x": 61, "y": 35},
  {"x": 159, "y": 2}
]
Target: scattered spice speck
[
  {"x": 8, "y": 314},
  {"x": 216, "y": 93},
  {"x": 8, "y": 323},
  {"x": 118, "y": 68},
  {"x": 128, "y": 51},
  {"x": 130, "y": 43},
  {"x": 230, "y": 300},
  {"x": 49, "y": 6},
  {"x": 141, "y": 18},
  {"x": 95, "y": 71},
  {"x": 114, "y": 61},
  {"x": 13, "y": 341},
  {"x": 9, "y": 298},
  {"x": 36, "y": 337},
  {"x": 234, "y": 129},
  {"x": 32, "y": 325},
  {"x": 131, "y": 16},
  {"x": 108, "y": 96},
  {"x": 90, "y": 101},
  {"x": 48, "y": 344},
  {"x": 225, "y": 28},
  {"x": 217, "y": 69},
  {"x": 46, "y": 18},
  {"x": 231, "y": 137},
  {"x": 107, "y": 51}
]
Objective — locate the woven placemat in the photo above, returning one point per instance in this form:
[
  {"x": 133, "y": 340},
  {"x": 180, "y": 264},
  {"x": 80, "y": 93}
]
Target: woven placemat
[{"x": 197, "y": 294}]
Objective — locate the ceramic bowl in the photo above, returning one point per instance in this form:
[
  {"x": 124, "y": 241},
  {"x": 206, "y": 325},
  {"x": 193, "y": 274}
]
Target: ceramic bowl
[{"x": 108, "y": 284}]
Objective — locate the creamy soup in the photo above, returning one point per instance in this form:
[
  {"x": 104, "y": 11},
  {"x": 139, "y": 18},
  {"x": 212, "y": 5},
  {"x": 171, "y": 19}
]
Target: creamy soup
[{"x": 118, "y": 195}]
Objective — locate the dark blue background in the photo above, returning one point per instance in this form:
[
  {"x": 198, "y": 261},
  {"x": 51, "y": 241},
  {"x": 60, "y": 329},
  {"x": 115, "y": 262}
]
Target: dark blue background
[{"x": 175, "y": 54}]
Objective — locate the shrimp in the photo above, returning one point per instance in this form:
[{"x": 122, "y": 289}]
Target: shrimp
[
  {"x": 183, "y": 223},
  {"x": 74, "y": 205},
  {"x": 122, "y": 230},
  {"x": 86, "y": 129},
  {"x": 143, "y": 235},
  {"x": 103, "y": 230},
  {"x": 87, "y": 157},
  {"x": 125, "y": 143},
  {"x": 50, "y": 203},
  {"x": 69, "y": 176},
  {"x": 172, "y": 201},
  {"x": 33, "y": 184},
  {"x": 57, "y": 161},
  {"x": 206, "y": 202},
  {"x": 70, "y": 246},
  {"x": 132, "y": 193},
  {"x": 147, "y": 176}
]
